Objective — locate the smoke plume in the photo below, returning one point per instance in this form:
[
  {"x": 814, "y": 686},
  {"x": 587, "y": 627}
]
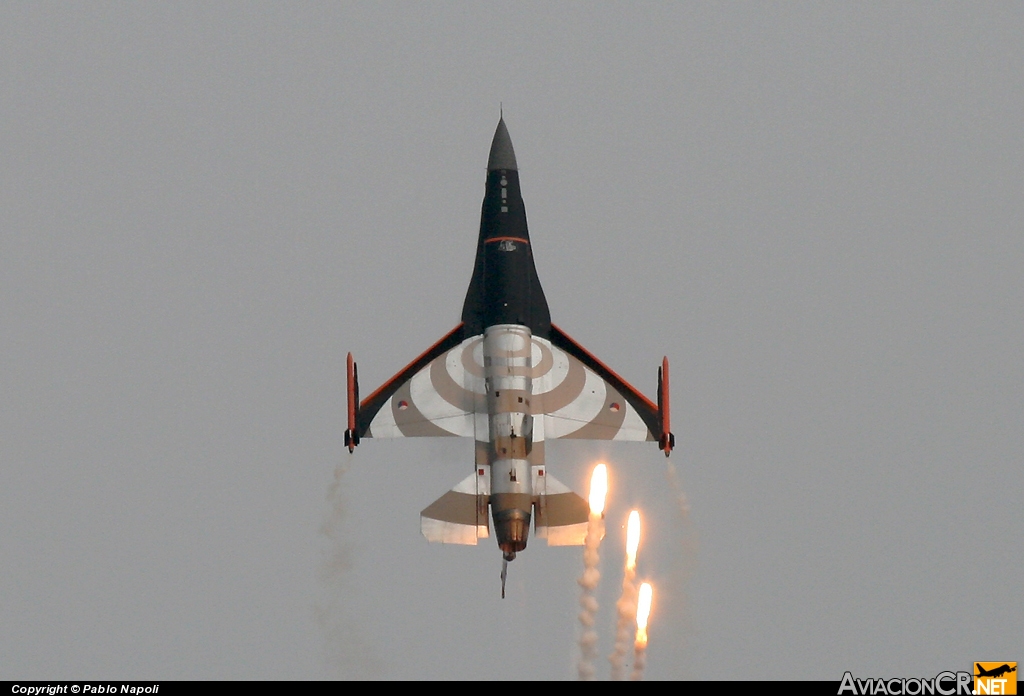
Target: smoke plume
[
  {"x": 591, "y": 573},
  {"x": 588, "y": 602},
  {"x": 626, "y": 606},
  {"x": 626, "y": 609},
  {"x": 677, "y": 489},
  {"x": 639, "y": 662},
  {"x": 346, "y": 653}
]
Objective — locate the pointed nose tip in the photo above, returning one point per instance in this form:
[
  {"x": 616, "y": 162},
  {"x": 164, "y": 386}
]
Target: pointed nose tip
[{"x": 502, "y": 154}]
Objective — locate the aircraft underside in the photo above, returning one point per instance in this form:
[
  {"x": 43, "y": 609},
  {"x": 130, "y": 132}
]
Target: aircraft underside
[{"x": 511, "y": 380}]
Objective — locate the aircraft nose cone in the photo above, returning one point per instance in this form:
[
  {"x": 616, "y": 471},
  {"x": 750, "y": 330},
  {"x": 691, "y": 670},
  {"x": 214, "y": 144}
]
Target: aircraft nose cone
[{"x": 502, "y": 154}]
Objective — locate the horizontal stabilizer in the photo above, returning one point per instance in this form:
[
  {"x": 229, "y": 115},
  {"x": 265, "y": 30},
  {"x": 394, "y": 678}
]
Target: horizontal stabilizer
[
  {"x": 560, "y": 516},
  {"x": 460, "y": 515}
]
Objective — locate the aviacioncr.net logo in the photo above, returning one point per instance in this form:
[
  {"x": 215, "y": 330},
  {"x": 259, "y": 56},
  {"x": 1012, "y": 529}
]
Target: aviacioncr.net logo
[{"x": 943, "y": 684}]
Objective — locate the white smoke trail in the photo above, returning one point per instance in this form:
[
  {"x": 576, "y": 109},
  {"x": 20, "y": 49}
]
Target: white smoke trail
[
  {"x": 337, "y": 553},
  {"x": 677, "y": 489},
  {"x": 626, "y": 606},
  {"x": 345, "y": 651},
  {"x": 588, "y": 602},
  {"x": 639, "y": 662},
  {"x": 685, "y": 562}
]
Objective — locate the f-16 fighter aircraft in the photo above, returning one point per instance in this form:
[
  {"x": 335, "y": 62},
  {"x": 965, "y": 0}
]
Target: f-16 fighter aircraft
[{"x": 511, "y": 380}]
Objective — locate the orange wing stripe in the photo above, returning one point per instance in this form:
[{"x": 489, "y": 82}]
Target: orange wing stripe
[
  {"x": 507, "y": 239},
  {"x": 650, "y": 404},
  {"x": 401, "y": 372}
]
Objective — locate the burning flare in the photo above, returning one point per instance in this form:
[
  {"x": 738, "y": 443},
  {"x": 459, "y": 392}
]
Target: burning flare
[
  {"x": 643, "y": 612},
  {"x": 598, "y": 489},
  {"x": 632, "y": 538}
]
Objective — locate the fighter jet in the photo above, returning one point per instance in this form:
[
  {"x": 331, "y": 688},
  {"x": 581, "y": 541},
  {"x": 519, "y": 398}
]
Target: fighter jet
[{"x": 511, "y": 380}]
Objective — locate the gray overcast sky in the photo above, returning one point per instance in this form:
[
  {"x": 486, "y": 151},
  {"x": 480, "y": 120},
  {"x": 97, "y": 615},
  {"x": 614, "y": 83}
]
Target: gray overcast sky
[{"x": 814, "y": 209}]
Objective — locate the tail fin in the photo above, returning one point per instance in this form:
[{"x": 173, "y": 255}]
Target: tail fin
[
  {"x": 460, "y": 515},
  {"x": 560, "y": 516}
]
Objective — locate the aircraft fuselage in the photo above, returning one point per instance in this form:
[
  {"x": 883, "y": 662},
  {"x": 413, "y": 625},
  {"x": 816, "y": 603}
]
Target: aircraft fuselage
[{"x": 506, "y": 304}]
